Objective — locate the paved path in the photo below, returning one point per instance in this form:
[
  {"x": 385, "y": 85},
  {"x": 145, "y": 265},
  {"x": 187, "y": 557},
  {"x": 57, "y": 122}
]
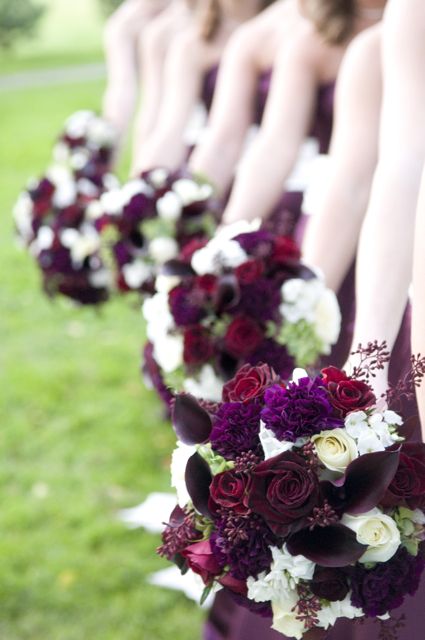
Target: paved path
[{"x": 52, "y": 77}]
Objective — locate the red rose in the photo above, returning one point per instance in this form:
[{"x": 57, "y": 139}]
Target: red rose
[
  {"x": 228, "y": 490},
  {"x": 243, "y": 337},
  {"x": 408, "y": 485},
  {"x": 198, "y": 347},
  {"x": 285, "y": 249},
  {"x": 190, "y": 247},
  {"x": 284, "y": 492},
  {"x": 248, "y": 272},
  {"x": 233, "y": 584},
  {"x": 206, "y": 284},
  {"x": 201, "y": 560},
  {"x": 249, "y": 383},
  {"x": 346, "y": 394},
  {"x": 329, "y": 583}
]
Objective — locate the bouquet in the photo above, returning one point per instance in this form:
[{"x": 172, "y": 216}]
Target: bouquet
[
  {"x": 148, "y": 220},
  {"x": 52, "y": 221},
  {"x": 86, "y": 146},
  {"x": 242, "y": 298},
  {"x": 303, "y": 499}
]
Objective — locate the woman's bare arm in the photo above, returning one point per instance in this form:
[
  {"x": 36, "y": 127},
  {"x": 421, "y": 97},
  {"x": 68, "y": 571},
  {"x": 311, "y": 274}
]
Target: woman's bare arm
[{"x": 419, "y": 292}]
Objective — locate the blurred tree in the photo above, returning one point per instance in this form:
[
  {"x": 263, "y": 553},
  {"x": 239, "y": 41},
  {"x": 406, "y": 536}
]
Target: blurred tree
[
  {"x": 108, "y": 6},
  {"x": 18, "y": 18}
]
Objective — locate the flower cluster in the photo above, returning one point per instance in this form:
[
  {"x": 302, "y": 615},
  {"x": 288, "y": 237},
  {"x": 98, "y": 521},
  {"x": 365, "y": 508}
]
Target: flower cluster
[
  {"x": 147, "y": 221},
  {"x": 303, "y": 498},
  {"x": 242, "y": 298}
]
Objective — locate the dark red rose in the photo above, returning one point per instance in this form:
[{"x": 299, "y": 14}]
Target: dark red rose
[
  {"x": 346, "y": 394},
  {"x": 243, "y": 337},
  {"x": 190, "y": 247},
  {"x": 285, "y": 249},
  {"x": 228, "y": 490},
  {"x": 198, "y": 347},
  {"x": 201, "y": 560},
  {"x": 234, "y": 585},
  {"x": 206, "y": 284},
  {"x": 284, "y": 492},
  {"x": 330, "y": 584},
  {"x": 408, "y": 485},
  {"x": 249, "y": 383},
  {"x": 249, "y": 271}
]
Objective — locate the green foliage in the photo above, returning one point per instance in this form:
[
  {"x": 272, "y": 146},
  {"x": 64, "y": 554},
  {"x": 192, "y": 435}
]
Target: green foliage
[
  {"x": 301, "y": 341},
  {"x": 108, "y": 6},
  {"x": 80, "y": 436},
  {"x": 18, "y": 19}
]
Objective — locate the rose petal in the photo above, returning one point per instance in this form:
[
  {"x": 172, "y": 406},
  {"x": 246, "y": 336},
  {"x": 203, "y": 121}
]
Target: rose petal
[
  {"x": 198, "y": 479},
  {"x": 333, "y": 546},
  {"x": 191, "y": 423}
]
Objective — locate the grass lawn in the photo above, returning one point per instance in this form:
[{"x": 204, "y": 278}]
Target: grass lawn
[{"x": 80, "y": 437}]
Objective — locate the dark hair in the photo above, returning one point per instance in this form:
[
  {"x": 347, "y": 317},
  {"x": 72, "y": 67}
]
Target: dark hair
[
  {"x": 334, "y": 19},
  {"x": 211, "y": 16}
]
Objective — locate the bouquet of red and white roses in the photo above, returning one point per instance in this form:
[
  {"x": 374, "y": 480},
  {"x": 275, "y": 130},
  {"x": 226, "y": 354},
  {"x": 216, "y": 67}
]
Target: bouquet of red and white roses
[
  {"x": 244, "y": 297},
  {"x": 302, "y": 498},
  {"x": 148, "y": 220},
  {"x": 51, "y": 219}
]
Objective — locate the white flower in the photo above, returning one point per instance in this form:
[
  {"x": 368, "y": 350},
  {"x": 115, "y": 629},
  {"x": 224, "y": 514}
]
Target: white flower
[
  {"x": 327, "y": 318},
  {"x": 112, "y": 202},
  {"x": 392, "y": 418},
  {"x": 79, "y": 159},
  {"x": 298, "y": 374},
  {"x": 159, "y": 320},
  {"x": 60, "y": 152},
  {"x": 164, "y": 283},
  {"x": 218, "y": 254},
  {"x": 65, "y": 186},
  {"x": 158, "y": 177},
  {"x": 22, "y": 214},
  {"x": 179, "y": 460},
  {"x": 169, "y": 207},
  {"x": 168, "y": 352},
  {"x": 381, "y": 429},
  {"x": 356, "y": 423},
  {"x": 163, "y": 249},
  {"x": 329, "y": 614},
  {"x": 207, "y": 385},
  {"x": 189, "y": 191},
  {"x": 369, "y": 442},
  {"x": 87, "y": 188},
  {"x": 101, "y": 132},
  {"x": 133, "y": 188},
  {"x": 100, "y": 278},
  {"x": 377, "y": 531},
  {"x": 81, "y": 244},
  {"x": 136, "y": 273},
  {"x": 45, "y": 237},
  {"x": 335, "y": 449},
  {"x": 285, "y": 619},
  {"x": 94, "y": 210},
  {"x": 271, "y": 445},
  {"x": 76, "y": 125},
  {"x": 297, "y": 567},
  {"x": 236, "y": 228},
  {"x": 372, "y": 433}
]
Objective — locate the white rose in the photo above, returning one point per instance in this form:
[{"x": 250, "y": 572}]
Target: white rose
[
  {"x": 207, "y": 386},
  {"x": 169, "y": 207},
  {"x": 163, "y": 249},
  {"x": 179, "y": 460},
  {"x": 285, "y": 619},
  {"x": 136, "y": 273},
  {"x": 168, "y": 352},
  {"x": 335, "y": 449},
  {"x": 378, "y": 532},
  {"x": 327, "y": 320}
]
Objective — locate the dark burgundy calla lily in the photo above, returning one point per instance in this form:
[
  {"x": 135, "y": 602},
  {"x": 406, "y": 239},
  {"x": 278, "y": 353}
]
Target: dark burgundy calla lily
[
  {"x": 365, "y": 482},
  {"x": 228, "y": 293},
  {"x": 333, "y": 546},
  {"x": 177, "y": 268},
  {"x": 191, "y": 423},
  {"x": 198, "y": 478}
]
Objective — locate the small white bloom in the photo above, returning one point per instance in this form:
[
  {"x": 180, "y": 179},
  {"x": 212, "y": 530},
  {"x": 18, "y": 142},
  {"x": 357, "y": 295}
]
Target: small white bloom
[
  {"x": 163, "y": 249},
  {"x": 169, "y": 207},
  {"x": 76, "y": 125},
  {"x": 60, "y": 153},
  {"x": 297, "y": 567},
  {"x": 81, "y": 244},
  {"x": 369, "y": 442},
  {"x": 168, "y": 352},
  {"x": 158, "y": 177},
  {"x": 158, "y": 316},
  {"x": 101, "y": 132},
  {"x": 65, "y": 186},
  {"x": 271, "y": 445},
  {"x": 94, "y": 210},
  {"x": 79, "y": 158},
  {"x": 356, "y": 424},
  {"x": 136, "y": 273},
  {"x": 392, "y": 418},
  {"x": 329, "y": 614},
  {"x": 45, "y": 237},
  {"x": 87, "y": 188},
  {"x": 418, "y": 517},
  {"x": 100, "y": 279},
  {"x": 236, "y": 228},
  {"x": 133, "y": 188},
  {"x": 22, "y": 214},
  {"x": 335, "y": 449},
  {"x": 298, "y": 374},
  {"x": 217, "y": 255},
  {"x": 187, "y": 191},
  {"x": 179, "y": 460},
  {"x": 381, "y": 429},
  {"x": 206, "y": 386},
  {"x": 285, "y": 619},
  {"x": 377, "y": 531},
  {"x": 112, "y": 201},
  {"x": 164, "y": 283}
]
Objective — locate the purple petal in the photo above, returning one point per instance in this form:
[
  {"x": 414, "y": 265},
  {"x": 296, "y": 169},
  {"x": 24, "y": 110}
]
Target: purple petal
[
  {"x": 333, "y": 546},
  {"x": 191, "y": 423},
  {"x": 198, "y": 479},
  {"x": 367, "y": 479}
]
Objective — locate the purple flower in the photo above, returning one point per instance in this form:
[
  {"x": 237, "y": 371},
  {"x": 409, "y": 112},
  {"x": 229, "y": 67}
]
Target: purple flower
[
  {"x": 139, "y": 208},
  {"x": 256, "y": 243},
  {"x": 301, "y": 409},
  {"x": 236, "y": 428},
  {"x": 276, "y": 356},
  {"x": 384, "y": 587},
  {"x": 183, "y": 307},
  {"x": 244, "y": 542},
  {"x": 260, "y": 300}
]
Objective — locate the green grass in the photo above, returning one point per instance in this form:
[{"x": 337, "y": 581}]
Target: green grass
[
  {"x": 70, "y": 32},
  {"x": 80, "y": 437}
]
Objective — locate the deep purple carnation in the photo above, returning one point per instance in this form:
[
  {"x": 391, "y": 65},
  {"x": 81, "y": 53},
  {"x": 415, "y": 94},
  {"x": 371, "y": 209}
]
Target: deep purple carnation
[
  {"x": 301, "y": 409},
  {"x": 244, "y": 541},
  {"x": 260, "y": 300},
  {"x": 236, "y": 428},
  {"x": 184, "y": 309},
  {"x": 384, "y": 587},
  {"x": 276, "y": 356},
  {"x": 256, "y": 243}
]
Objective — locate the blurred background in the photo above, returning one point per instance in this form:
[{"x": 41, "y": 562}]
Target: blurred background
[{"x": 80, "y": 437}]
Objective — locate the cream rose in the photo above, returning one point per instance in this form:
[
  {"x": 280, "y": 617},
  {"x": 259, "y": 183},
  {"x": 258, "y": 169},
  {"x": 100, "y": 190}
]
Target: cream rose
[
  {"x": 377, "y": 531},
  {"x": 335, "y": 449}
]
